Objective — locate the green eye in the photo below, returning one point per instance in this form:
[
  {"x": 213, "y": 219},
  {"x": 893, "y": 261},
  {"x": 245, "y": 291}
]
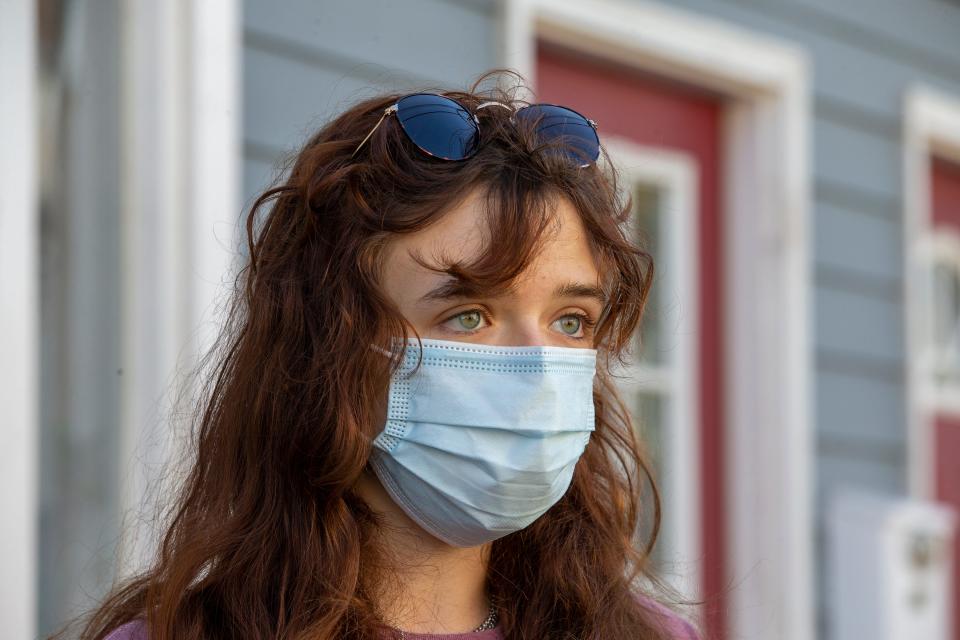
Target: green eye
[
  {"x": 469, "y": 320},
  {"x": 570, "y": 324}
]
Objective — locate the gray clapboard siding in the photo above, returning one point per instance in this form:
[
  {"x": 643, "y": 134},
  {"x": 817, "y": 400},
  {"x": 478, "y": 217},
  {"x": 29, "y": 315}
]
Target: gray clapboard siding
[
  {"x": 867, "y": 367},
  {"x": 844, "y": 70},
  {"x": 256, "y": 175},
  {"x": 856, "y": 158},
  {"x": 854, "y": 405},
  {"x": 829, "y": 191},
  {"x": 866, "y": 448},
  {"x": 286, "y": 100},
  {"x": 884, "y": 24},
  {"x": 847, "y": 468},
  {"x": 429, "y": 40},
  {"x": 844, "y": 113},
  {"x": 858, "y": 282},
  {"x": 304, "y": 61},
  {"x": 855, "y": 323},
  {"x": 849, "y": 239},
  {"x": 868, "y": 72}
]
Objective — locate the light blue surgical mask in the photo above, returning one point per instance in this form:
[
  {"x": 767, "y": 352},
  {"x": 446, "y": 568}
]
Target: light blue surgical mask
[{"x": 482, "y": 440}]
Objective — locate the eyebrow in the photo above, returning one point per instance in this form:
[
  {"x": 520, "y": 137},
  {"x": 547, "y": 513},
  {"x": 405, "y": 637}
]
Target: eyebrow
[
  {"x": 580, "y": 290},
  {"x": 457, "y": 288}
]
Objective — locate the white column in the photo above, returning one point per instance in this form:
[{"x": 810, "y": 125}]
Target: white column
[
  {"x": 19, "y": 319},
  {"x": 181, "y": 155}
]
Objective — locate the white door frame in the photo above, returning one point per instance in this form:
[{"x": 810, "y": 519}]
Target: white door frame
[
  {"x": 931, "y": 128},
  {"x": 676, "y": 176},
  {"x": 19, "y": 319},
  {"x": 767, "y": 205}
]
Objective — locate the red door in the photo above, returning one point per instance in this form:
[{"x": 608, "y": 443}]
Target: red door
[
  {"x": 945, "y": 201},
  {"x": 655, "y": 112}
]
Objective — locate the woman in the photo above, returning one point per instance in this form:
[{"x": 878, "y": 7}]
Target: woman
[{"x": 412, "y": 430}]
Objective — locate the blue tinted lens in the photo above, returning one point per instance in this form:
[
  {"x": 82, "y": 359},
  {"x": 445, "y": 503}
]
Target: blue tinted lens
[
  {"x": 564, "y": 126},
  {"x": 438, "y": 125}
]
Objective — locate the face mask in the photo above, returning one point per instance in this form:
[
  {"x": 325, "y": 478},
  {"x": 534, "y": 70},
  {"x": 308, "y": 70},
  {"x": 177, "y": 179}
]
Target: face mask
[{"x": 481, "y": 440}]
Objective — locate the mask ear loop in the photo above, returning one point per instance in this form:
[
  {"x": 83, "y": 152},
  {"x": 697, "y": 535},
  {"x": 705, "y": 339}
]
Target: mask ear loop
[
  {"x": 381, "y": 350},
  {"x": 391, "y": 355}
]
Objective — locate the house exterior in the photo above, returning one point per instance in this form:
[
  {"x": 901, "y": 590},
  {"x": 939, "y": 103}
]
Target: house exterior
[{"x": 795, "y": 167}]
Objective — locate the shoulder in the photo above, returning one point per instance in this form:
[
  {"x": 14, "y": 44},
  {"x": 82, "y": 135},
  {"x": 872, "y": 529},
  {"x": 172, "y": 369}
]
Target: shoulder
[
  {"x": 677, "y": 627},
  {"x": 133, "y": 630}
]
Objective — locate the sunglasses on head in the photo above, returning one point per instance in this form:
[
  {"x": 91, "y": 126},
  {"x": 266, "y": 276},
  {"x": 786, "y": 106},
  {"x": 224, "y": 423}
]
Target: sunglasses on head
[{"x": 443, "y": 128}]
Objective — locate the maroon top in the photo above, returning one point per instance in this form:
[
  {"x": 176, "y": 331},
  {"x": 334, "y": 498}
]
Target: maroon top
[{"x": 678, "y": 628}]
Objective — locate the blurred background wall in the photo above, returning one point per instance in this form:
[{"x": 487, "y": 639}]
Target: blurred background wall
[{"x": 795, "y": 165}]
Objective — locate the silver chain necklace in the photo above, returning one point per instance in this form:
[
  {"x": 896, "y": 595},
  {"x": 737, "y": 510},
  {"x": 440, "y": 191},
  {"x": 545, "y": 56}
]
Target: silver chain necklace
[{"x": 488, "y": 623}]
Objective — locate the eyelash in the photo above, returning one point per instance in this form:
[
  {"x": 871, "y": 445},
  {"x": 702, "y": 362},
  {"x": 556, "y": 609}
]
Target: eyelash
[{"x": 587, "y": 322}]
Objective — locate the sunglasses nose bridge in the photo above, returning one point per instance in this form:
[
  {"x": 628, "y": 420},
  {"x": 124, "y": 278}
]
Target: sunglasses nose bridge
[{"x": 493, "y": 103}]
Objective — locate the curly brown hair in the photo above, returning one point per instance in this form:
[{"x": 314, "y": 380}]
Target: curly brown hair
[{"x": 267, "y": 538}]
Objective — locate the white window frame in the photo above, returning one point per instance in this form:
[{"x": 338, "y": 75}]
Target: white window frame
[
  {"x": 931, "y": 128},
  {"x": 675, "y": 177},
  {"x": 767, "y": 203},
  {"x": 19, "y": 319}
]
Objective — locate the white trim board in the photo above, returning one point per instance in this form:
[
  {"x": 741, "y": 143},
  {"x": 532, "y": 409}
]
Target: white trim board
[
  {"x": 19, "y": 320},
  {"x": 675, "y": 174},
  {"x": 181, "y": 158},
  {"x": 931, "y": 128},
  {"x": 767, "y": 204}
]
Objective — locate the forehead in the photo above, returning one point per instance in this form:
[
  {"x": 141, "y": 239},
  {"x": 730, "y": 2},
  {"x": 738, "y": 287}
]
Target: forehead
[{"x": 461, "y": 234}]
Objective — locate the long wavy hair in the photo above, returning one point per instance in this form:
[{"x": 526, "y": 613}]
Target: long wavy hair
[{"x": 266, "y": 538}]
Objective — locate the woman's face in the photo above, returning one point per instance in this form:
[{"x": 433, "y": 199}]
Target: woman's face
[{"x": 554, "y": 302}]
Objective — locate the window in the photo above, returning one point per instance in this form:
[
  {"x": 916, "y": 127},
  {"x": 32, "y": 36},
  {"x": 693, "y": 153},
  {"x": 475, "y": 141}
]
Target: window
[{"x": 942, "y": 343}]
